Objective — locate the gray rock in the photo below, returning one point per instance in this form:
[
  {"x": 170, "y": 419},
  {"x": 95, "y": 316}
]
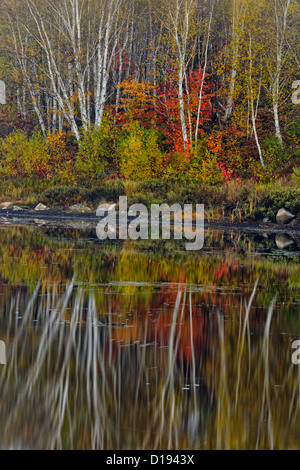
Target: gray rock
[
  {"x": 6, "y": 205},
  {"x": 266, "y": 220},
  {"x": 284, "y": 216},
  {"x": 80, "y": 225},
  {"x": 17, "y": 209},
  {"x": 40, "y": 222},
  {"x": 296, "y": 221},
  {"x": 40, "y": 207},
  {"x": 283, "y": 241},
  {"x": 80, "y": 208}
]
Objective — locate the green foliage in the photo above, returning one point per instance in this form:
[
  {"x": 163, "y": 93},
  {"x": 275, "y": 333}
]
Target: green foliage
[
  {"x": 12, "y": 150},
  {"x": 144, "y": 198},
  {"x": 294, "y": 136},
  {"x": 140, "y": 155},
  {"x": 67, "y": 195},
  {"x": 157, "y": 187},
  {"x": 274, "y": 151},
  {"x": 64, "y": 195},
  {"x": 36, "y": 156},
  {"x": 269, "y": 201},
  {"x": 95, "y": 153},
  {"x": 210, "y": 196},
  {"x": 204, "y": 167},
  {"x": 108, "y": 191},
  {"x": 296, "y": 175}
]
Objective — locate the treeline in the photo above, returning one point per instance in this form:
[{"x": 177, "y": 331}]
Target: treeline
[{"x": 151, "y": 88}]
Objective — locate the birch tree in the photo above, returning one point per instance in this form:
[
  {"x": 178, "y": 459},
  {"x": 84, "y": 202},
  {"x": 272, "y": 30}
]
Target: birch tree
[
  {"x": 281, "y": 11},
  {"x": 238, "y": 14},
  {"x": 179, "y": 22}
]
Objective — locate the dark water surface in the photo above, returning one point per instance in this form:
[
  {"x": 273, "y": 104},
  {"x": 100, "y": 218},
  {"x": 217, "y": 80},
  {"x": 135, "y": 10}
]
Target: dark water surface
[{"x": 142, "y": 345}]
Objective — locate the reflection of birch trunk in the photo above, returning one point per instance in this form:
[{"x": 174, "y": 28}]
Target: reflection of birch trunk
[
  {"x": 266, "y": 405},
  {"x": 2, "y": 353}
]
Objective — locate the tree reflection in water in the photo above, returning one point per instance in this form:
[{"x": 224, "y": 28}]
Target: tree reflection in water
[{"x": 84, "y": 374}]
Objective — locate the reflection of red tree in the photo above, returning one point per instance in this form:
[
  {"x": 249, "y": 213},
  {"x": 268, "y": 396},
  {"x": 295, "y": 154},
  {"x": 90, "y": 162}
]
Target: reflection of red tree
[
  {"x": 225, "y": 270},
  {"x": 193, "y": 330},
  {"x": 192, "y": 333}
]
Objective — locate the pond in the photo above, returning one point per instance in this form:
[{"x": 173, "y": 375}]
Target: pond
[{"x": 142, "y": 345}]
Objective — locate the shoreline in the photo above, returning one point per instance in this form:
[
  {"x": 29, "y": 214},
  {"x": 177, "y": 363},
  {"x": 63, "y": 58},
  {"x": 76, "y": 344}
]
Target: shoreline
[{"x": 60, "y": 216}]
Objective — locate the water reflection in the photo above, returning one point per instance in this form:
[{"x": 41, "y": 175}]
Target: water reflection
[
  {"x": 184, "y": 377},
  {"x": 2, "y": 353},
  {"x": 119, "y": 349}
]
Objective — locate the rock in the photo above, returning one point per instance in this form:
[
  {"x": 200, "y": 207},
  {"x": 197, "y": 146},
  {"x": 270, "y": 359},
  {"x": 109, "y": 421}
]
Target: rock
[
  {"x": 296, "y": 221},
  {"x": 266, "y": 220},
  {"x": 283, "y": 241},
  {"x": 40, "y": 222},
  {"x": 17, "y": 209},
  {"x": 80, "y": 225},
  {"x": 6, "y": 205},
  {"x": 41, "y": 207},
  {"x": 284, "y": 217},
  {"x": 80, "y": 208}
]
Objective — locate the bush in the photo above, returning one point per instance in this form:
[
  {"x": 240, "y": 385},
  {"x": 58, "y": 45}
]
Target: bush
[
  {"x": 95, "y": 153},
  {"x": 142, "y": 198},
  {"x": 140, "y": 155},
  {"x": 197, "y": 165},
  {"x": 36, "y": 157},
  {"x": 210, "y": 196},
  {"x": 296, "y": 175},
  {"x": 108, "y": 191},
  {"x": 64, "y": 195},
  {"x": 12, "y": 150},
  {"x": 275, "y": 199},
  {"x": 158, "y": 187}
]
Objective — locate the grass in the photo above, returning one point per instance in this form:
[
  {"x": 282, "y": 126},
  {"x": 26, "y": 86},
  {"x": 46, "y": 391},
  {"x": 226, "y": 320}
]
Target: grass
[{"x": 236, "y": 202}]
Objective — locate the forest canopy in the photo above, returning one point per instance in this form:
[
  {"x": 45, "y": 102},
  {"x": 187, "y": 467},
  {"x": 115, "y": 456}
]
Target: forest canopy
[{"x": 140, "y": 89}]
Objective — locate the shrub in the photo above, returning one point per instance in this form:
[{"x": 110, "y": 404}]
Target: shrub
[
  {"x": 142, "y": 198},
  {"x": 158, "y": 187},
  {"x": 296, "y": 175},
  {"x": 140, "y": 155},
  {"x": 274, "y": 199},
  {"x": 197, "y": 165},
  {"x": 36, "y": 157},
  {"x": 210, "y": 196},
  {"x": 64, "y": 195},
  {"x": 95, "y": 153},
  {"x": 12, "y": 150},
  {"x": 59, "y": 158},
  {"x": 204, "y": 167},
  {"x": 108, "y": 191}
]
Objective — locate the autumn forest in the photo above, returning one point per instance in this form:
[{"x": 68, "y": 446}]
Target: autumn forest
[{"x": 196, "y": 91}]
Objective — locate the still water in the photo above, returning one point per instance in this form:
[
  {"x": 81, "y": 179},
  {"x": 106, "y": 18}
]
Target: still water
[{"x": 141, "y": 345}]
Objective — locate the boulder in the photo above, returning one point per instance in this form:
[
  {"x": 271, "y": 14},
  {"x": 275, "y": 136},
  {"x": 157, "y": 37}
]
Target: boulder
[
  {"x": 296, "y": 221},
  {"x": 79, "y": 225},
  {"x": 80, "y": 208},
  {"x": 40, "y": 222},
  {"x": 283, "y": 241},
  {"x": 284, "y": 217},
  {"x": 41, "y": 207},
  {"x": 6, "y": 205}
]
